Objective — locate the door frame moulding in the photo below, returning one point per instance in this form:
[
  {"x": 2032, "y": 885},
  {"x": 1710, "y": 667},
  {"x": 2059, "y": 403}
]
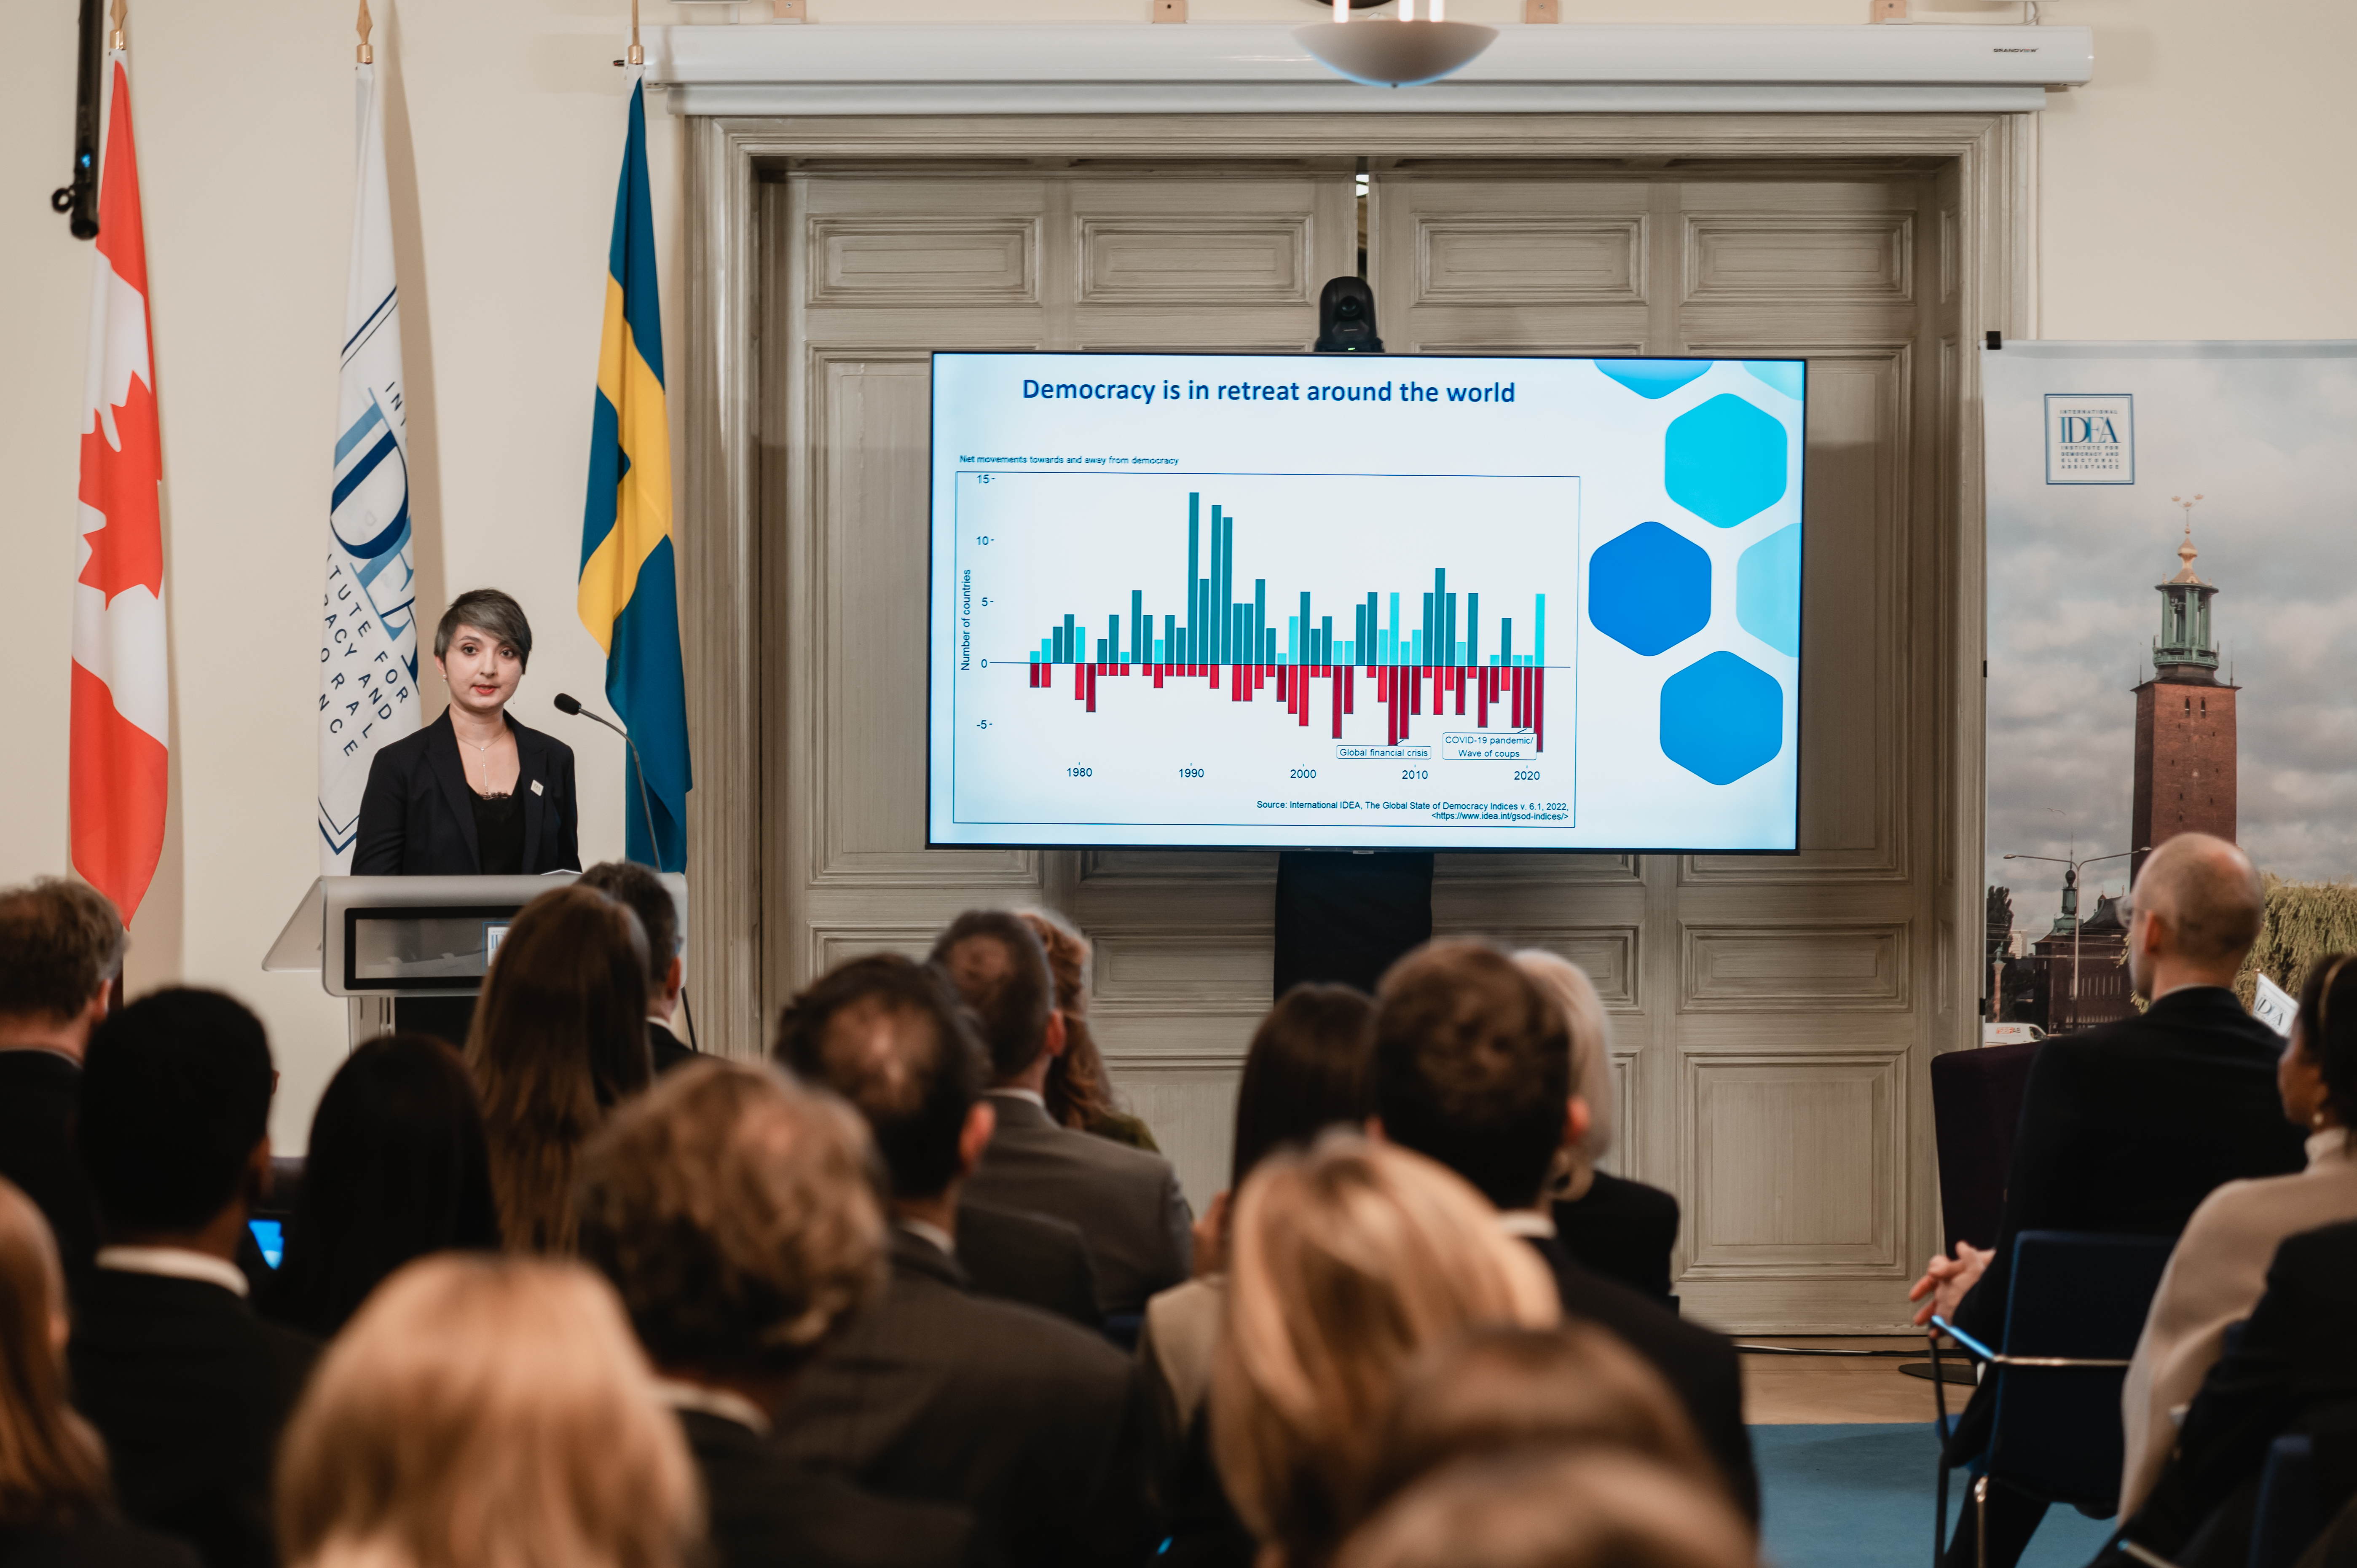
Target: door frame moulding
[{"x": 729, "y": 158}]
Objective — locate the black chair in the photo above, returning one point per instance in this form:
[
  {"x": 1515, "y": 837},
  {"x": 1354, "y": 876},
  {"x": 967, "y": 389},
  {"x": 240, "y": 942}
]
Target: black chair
[
  {"x": 2077, "y": 1305},
  {"x": 2289, "y": 1518},
  {"x": 1976, "y": 1098}
]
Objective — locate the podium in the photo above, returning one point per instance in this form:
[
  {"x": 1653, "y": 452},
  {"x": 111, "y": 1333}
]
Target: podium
[{"x": 411, "y": 952}]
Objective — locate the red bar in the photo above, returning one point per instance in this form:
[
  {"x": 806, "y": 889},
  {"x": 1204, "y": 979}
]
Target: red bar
[
  {"x": 1538, "y": 717},
  {"x": 1350, "y": 694},
  {"x": 1335, "y": 674}
]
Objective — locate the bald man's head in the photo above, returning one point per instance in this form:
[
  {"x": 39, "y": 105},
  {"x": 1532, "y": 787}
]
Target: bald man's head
[{"x": 2206, "y": 897}]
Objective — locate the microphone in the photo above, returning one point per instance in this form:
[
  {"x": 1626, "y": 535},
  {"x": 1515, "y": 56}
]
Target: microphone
[{"x": 565, "y": 702}]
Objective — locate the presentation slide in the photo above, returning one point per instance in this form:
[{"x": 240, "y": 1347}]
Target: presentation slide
[{"x": 1289, "y": 601}]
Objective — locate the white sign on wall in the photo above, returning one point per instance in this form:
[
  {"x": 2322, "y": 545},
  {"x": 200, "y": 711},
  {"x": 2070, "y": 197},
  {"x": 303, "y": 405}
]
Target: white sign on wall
[{"x": 2273, "y": 1006}]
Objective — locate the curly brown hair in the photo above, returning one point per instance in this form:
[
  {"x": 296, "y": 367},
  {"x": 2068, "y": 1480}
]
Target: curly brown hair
[{"x": 1079, "y": 1092}]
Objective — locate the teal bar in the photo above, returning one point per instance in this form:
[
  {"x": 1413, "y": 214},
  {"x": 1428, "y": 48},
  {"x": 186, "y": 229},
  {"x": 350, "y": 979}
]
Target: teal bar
[{"x": 1391, "y": 637}]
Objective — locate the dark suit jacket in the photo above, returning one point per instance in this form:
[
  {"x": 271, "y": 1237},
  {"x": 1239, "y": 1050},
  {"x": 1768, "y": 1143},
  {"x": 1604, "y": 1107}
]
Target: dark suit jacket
[
  {"x": 2127, "y": 1128},
  {"x": 417, "y": 816},
  {"x": 93, "y": 1543},
  {"x": 1125, "y": 1201},
  {"x": 766, "y": 1512},
  {"x": 1624, "y": 1231},
  {"x": 39, "y": 1092},
  {"x": 2294, "y": 1361},
  {"x": 936, "y": 1393},
  {"x": 189, "y": 1388},
  {"x": 1029, "y": 1258},
  {"x": 1700, "y": 1366},
  {"x": 668, "y": 1050}
]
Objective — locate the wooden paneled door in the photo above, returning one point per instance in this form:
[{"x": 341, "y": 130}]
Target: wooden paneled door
[{"x": 1774, "y": 1014}]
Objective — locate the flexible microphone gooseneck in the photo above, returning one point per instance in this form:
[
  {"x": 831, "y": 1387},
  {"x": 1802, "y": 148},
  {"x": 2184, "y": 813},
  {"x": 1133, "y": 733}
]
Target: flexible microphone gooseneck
[{"x": 565, "y": 703}]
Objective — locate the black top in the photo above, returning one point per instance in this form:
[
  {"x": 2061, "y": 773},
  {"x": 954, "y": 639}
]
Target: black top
[
  {"x": 38, "y": 1093},
  {"x": 1624, "y": 1231},
  {"x": 498, "y": 833},
  {"x": 189, "y": 1389},
  {"x": 93, "y": 1543},
  {"x": 2127, "y": 1128},
  {"x": 1700, "y": 1366},
  {"x": 933, "y": 1393},
  {"x": 417, "y": 817},
  {"x": 667, "y": 1050},
  {"x": 1030, "y": 1258},
  {"x": 766, "y": 1511}
]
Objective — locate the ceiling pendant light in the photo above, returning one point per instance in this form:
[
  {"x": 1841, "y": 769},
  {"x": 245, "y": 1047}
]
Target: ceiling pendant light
[{"x": 1400, "y": 53}]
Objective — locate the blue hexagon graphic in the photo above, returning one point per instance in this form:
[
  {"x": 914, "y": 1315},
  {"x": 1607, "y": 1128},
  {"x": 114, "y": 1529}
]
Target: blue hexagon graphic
[
  {"x": 1790, "y": 377},
  {"x": 1767, "y": 590},
  {"x": 1723, "y": 460},
  {"x": 1649, "y": 589},
  {"x": 1722, "y": 718},
  {"x": 1654, "y": 378}
]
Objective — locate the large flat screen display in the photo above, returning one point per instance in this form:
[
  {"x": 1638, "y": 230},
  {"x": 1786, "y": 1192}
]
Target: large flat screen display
[{"x": 1366, "y": 602}]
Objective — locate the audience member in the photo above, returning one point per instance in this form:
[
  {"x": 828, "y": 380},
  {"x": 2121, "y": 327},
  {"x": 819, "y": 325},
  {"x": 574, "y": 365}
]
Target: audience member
[
  {"x": 1472, "y": 1067},
  {"x": 60, "y": 947},
  {"x": 1343, "y": 1263},
  {"x": 396, "y": 1168},
  {"x": 2128, "y": 1126},
  {"x": 486, "y": 1413},
  {"x": 2220, "y": 1265},
  {"x": 1124, "y": 1201},
  {"x": 734, "y": 1214},
  {"x": 55, "y": 1502},
  {"x": 1494, "y": 1390},
  {"x": 1029, "y": 1258},
  {"x": 1305, "y": 1071},
  {"x": 2292, "y": 1367},
  {"x": 186, "y": 1384},
  {"x": 559, "y": 1038},
  {"x": 1548, "y": 1509},
  {"x": 1623, "y": 1229},
  {"x": 933, "y": 1392},
  {"x": 1079, "y": 1090},
  {"x": 638, "y": 890}
]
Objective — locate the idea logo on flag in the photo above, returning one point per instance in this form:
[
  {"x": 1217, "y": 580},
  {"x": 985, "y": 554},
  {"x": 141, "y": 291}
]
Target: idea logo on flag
[{"x": 2090, "y": 438}]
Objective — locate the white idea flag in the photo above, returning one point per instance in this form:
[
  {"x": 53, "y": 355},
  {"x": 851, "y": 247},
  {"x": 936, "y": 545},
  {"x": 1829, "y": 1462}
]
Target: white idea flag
[{"x": 368, "y": 639}]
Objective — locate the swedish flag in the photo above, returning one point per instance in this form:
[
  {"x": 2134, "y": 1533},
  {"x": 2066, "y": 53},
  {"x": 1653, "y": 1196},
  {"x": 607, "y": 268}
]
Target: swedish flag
[{"x": 629, "y": 592}]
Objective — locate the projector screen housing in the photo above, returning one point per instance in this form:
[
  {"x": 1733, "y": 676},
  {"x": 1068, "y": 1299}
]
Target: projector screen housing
[{"x": 1381, "y": 602}]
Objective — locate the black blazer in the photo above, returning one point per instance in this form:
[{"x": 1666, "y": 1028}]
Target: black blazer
[
  {"x": 1029, "y": 1258},
  {"x": 93, "y": 1543},
  {"x": 189, "y": 1389},
  {"x": 935, "y": 1393},
  {"x": 1622, "y": 1229},
  {"x": 40, "y": 1092},
  {"x": 2294, "y": 1361},
  {"x": 1700, "y": 1366},
  {"x": 2127, "y": 1128},
  {"x": 667, "y": 1050},
  {"x": 417, "y": 817},
  {"x": 1125, "y": 1201},
  {"x": 764, "y": 1512}
]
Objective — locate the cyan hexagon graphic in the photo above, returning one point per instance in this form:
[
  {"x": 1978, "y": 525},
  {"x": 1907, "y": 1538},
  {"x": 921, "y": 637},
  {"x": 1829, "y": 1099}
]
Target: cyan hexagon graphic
[
  {"x": 1787, "y": 376},
  {"x": 1722, "y": 718},
  {"x": 1654, "y": 378},
  {"x": 1649, "y": 589},
  {"x": 1767, "y": 590},
  {"x": 1723, "y": 460}
]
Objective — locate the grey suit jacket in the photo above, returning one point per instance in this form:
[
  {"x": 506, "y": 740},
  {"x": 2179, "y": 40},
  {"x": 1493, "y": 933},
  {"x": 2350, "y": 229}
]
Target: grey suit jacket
[{"x": 1126, "y": 1202}]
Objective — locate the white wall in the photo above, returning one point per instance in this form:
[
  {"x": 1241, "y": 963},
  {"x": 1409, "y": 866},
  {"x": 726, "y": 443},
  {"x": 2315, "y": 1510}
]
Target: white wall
[{"x": 2191, "y": 192}]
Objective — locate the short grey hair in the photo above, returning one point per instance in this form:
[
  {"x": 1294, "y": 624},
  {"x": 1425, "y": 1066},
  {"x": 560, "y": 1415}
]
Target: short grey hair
[{"x": 486, "y": 609}]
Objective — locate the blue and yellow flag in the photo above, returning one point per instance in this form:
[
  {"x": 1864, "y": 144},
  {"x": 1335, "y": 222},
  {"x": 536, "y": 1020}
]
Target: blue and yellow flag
[{"x": 629, "y": 579}]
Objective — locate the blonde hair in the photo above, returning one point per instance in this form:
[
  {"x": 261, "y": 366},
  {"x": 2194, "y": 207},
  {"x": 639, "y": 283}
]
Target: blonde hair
[
  {"x": 52, "y": 1466},
  {"x": 1590, "y": 1027},
  {"x": 1554, "y": 1508},
  {"x": 486, "y": 1413},
  {"x": 1344, "y": 1262}
]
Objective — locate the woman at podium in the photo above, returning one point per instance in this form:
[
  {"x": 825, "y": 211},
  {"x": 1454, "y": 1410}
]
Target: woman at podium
[{"x": 473, "y": 793}]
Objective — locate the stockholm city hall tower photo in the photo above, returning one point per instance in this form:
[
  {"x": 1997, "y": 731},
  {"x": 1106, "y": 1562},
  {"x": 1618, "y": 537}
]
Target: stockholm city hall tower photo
[{"x": 2185, "y": 719}]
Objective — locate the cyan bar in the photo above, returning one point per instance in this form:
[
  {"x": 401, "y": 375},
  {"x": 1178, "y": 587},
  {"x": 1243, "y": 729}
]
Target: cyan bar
[
  {"x": 1416, "y": 651},
  {"x": 1538, "y": 633},
  {"x": 1293, "y": 639}
]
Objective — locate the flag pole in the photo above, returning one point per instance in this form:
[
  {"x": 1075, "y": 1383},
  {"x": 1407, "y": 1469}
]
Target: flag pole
[
  {"x": 364, "y": 26},
  {"x": 637, "y": 56},
  {"x": 114, "y": 39}
]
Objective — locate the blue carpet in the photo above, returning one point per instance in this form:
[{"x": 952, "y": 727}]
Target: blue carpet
[{"x": 1860, "y": 1497}]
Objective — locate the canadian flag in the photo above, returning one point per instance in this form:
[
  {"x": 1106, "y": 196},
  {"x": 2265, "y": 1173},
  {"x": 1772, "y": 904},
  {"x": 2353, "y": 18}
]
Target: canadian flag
[{"x": 121, "y": 670}]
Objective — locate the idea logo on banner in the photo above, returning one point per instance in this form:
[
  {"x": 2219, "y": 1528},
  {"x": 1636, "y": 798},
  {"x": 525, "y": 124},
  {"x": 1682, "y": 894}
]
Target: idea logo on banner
[{"x": 2090, "y": 438}]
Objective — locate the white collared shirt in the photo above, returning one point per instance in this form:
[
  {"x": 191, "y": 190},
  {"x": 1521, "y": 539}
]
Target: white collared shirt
[
  {"x": 925, "y": 1230},
  {"x": 1033, "y": 1095},
  {"x": 174, "y": 1263},
  {"x": 722, "y": 1402},
  {"x": 1528, "y": 1223}
]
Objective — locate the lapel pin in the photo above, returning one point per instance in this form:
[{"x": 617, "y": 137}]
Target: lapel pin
[{"x": 535, "y": 786}]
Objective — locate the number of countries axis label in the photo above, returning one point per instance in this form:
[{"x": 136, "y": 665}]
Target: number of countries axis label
[{"x": 1226, "y": 658}]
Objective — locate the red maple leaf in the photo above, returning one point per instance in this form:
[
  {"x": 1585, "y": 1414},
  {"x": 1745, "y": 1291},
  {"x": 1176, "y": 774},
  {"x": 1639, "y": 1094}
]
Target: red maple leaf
[{"x": 120, "y": 483}]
